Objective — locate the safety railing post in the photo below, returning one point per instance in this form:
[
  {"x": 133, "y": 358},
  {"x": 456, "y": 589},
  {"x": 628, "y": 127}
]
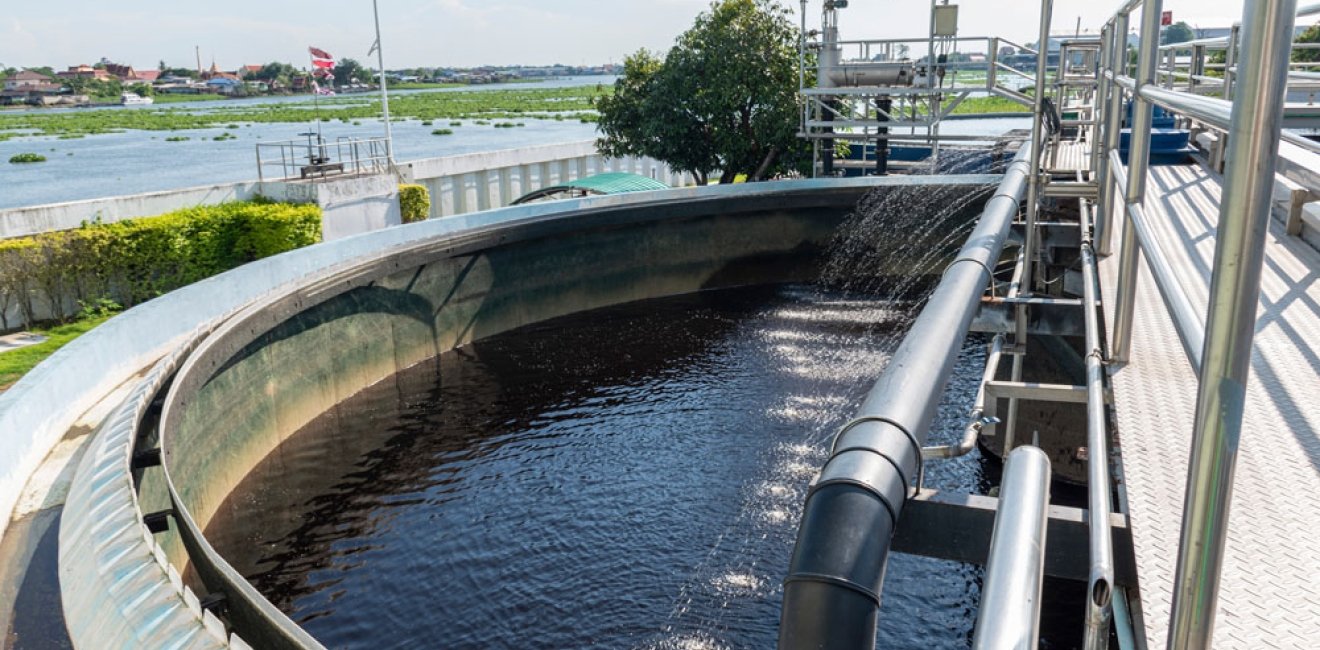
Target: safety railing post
[
  {"x": 1138, "y": 162},
  {"x": 1244, "y": 215},
  {"x": 1118, "y": 53}
]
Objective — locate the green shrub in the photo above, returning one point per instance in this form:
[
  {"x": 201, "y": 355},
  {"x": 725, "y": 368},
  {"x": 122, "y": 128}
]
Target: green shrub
[
  {"x": 135, "y": 260},
  {"x": 27, "y": 158},
  {"x": 414, "y": 203}
]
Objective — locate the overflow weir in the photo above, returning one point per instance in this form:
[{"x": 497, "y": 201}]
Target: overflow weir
[{"x": 170, "y": 405}]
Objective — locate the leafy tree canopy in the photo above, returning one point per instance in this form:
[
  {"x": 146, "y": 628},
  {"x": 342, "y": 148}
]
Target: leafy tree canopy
[
  {"x": 724, "y": 97},
  {"x": 1179, "y": 32},
  {"x": 348, "y": 71},
  {"x": 1311, "y": 35}
]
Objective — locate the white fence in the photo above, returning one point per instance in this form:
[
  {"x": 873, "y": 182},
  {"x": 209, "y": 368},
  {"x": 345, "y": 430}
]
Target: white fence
[{"x": 492, "y": 179}]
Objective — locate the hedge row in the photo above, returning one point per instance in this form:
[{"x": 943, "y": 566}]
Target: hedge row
[
  {"x": 135, "y": 260},
  {"x": 414, "y": 202}
]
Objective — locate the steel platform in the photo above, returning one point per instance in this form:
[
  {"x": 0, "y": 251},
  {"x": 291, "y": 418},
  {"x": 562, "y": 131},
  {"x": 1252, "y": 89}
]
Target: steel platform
[
  {"x": 1069, "y": 156},
  {"x": 1270, "y": 595}
]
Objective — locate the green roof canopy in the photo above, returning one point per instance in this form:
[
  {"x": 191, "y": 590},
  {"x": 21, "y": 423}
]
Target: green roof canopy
[{"x": 607, "y": 183}]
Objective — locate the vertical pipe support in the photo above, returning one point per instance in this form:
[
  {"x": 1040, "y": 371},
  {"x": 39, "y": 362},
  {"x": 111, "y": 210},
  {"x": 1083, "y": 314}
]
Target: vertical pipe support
[
  {"x": 1244, "y": 215},
  {"x": 1138, "y": 163},
  {"x": 1037, "y": 133},
  {"x": 1009, "y": 615},
  {"x": 1099, "y": 159},
  {"x": 1113, "y": 131}
]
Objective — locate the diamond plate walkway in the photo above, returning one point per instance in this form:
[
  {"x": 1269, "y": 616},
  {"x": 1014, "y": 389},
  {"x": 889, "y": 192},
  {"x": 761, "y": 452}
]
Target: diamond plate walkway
[{"x": 1270, "y": 595}]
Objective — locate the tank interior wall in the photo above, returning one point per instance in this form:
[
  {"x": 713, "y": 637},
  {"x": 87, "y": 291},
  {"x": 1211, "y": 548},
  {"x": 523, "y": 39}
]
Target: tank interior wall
[{"x": 282, "y": 366}]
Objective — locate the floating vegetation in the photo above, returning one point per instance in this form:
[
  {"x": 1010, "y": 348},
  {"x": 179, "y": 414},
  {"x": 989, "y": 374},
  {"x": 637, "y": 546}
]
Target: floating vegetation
[
  {"x": 443, "y": 132},
  {"x": 27, "y": 158},
  {"x": 177, "y": 138},
  {"x": 455, "y": 124},
  {"x": 482, "y": 107},
  {"x": 427, "y": 123}
]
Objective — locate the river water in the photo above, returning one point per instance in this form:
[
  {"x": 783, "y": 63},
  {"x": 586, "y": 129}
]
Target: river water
[
  {"x": 133, "y": 162},
  {"x": 626, "y": 478}
]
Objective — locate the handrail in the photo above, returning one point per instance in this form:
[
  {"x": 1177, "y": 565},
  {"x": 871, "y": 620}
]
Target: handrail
[{"x": 1220, "y": 350}]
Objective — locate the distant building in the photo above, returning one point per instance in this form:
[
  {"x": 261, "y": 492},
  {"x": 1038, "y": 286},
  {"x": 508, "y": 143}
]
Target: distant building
[
  {"x": 85, "y": 71},
  {"x": 123, "y": 72},
  {"x": 26, "y": 79},
  {"x": 224, "y": 85},
  {"x": 249, "y": 71}
]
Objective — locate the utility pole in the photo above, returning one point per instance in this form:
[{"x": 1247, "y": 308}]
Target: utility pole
[{"x": 384, "y": 93}]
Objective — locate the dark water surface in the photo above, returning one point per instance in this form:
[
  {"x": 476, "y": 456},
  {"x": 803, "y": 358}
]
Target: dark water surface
[{"x": 627, "y": 478}]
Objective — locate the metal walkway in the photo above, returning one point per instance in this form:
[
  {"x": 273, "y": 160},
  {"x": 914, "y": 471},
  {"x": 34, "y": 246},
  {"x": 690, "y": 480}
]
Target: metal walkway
[{"x": 1269, "y": 595}]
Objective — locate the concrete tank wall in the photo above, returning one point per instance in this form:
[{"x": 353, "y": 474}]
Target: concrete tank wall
[{"x": 286, "y": 364}]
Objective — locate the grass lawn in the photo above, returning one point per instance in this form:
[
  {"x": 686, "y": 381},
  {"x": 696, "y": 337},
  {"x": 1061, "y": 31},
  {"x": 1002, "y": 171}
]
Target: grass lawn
[
  {"x": 977, "y": 105},
  {"x": 16, "y": 363}
]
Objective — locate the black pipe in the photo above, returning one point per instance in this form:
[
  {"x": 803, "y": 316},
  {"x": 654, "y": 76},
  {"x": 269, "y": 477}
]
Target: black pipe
[
  {"x": 832, "y": 592},
  {"x": 882, "y": 143},
  {"x": 827, "y": 157}
]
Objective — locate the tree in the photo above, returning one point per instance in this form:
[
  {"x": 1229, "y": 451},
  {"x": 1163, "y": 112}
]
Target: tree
[
  {"x": 1179, "y": 32},
  {"x": 1311, "y": 35},
  {"x": 723, "y": 98},
  {"x": 348, "y": 71},
  {"x": 276, "y": 72}
]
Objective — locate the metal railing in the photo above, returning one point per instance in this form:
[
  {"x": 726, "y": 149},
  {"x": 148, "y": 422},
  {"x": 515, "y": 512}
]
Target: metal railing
[
  {"x": 1220, "y": 349},
  {"x": 313, "y": 157}
]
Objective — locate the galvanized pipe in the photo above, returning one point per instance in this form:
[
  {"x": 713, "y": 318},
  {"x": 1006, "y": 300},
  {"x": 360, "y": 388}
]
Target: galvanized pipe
[
  {"x": 1244, "y": 214},
  {"x": 1009, "y": 616},
  {"x": 832, "y": 592},
  {"x": 1101, "y": 577}
]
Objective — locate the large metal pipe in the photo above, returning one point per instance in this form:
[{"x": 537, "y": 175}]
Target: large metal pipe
[
  {"x": 1009, "y": 616},
  {"x": 1101, "y": 577},
  {"x": 832, "y": 592},
  {"x": 1244, "y": 215}
]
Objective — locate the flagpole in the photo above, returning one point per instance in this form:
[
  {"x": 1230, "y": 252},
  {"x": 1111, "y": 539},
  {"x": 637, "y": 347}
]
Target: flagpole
[
  {"x": 384, "y": 93},
  {"x": 316, "y": 101}
]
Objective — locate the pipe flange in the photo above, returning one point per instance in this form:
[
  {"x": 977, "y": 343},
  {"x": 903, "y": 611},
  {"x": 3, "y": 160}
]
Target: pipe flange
[{"x": 916, "y": 445}]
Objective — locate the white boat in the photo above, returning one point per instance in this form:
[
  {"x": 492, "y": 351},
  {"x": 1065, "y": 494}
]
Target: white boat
[{"x": 134, "y": 99}]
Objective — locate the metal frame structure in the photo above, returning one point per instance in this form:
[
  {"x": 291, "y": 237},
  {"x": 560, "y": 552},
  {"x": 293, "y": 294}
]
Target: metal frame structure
[
  {"x": 315, "y": 158},
  {"x": 1220, "y": 346},
  {"x": 872, "y": 90}
]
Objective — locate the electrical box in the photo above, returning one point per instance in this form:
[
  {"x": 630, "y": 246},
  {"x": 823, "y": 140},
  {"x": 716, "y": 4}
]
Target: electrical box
[{"x": 946, "y": 20}]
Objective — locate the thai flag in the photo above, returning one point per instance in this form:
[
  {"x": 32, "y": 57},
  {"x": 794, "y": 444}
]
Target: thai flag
[{"x": 321, "y": 58}]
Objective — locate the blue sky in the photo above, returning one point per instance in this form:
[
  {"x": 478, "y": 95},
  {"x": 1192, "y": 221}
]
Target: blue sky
[{"x": 460, "y": 32}]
